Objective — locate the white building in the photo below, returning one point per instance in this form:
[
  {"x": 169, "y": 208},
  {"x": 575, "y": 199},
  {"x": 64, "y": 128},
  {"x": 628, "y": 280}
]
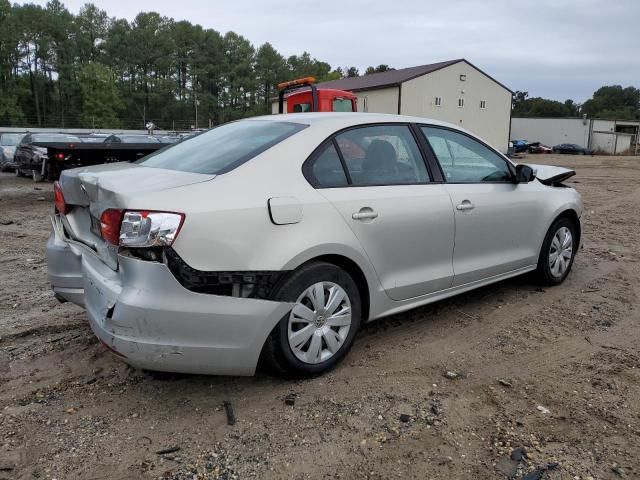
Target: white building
[
  {"x": 454, "y": 91},
  {"x": 610, "y": 136}
]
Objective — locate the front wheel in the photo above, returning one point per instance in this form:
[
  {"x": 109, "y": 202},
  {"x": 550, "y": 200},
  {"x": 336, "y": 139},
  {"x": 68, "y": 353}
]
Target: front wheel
[
  {"x": 321, "y": 327},
  {"x": 558, "y": 251}
]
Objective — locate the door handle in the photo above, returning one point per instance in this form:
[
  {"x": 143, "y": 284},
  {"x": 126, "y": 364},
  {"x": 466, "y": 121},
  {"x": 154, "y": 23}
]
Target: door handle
[
  {"x": 465, "y": 205},
  {"x": 365, "y": 213}
]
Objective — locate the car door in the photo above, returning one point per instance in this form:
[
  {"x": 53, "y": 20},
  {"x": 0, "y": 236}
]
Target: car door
[
  {"x": 377, "y": 179},
  {"x": 497, "y": 221}
]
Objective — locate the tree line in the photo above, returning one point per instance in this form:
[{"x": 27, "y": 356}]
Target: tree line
[
  {"x": 90, "y": 70},
  {"x": 608, "y": 102}
]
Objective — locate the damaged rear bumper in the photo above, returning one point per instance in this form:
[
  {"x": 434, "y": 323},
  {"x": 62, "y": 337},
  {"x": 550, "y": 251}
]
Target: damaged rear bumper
[{"x": 144, "y": 315}]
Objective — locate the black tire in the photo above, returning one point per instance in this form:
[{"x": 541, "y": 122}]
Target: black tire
[
  {"x": 277, "y": 352},
  {"x": 543, "y": 272}
]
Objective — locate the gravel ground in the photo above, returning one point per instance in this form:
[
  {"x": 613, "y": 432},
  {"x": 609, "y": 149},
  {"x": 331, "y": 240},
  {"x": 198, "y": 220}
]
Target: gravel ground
[{"x": 451, "y": 390}]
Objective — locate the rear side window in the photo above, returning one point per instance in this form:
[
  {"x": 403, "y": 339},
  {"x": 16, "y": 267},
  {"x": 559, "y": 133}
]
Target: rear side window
[
  {"x": 223, "y": 148},
  {"x": 327, "y": 171},
  {"x": 382, "y": 155}
]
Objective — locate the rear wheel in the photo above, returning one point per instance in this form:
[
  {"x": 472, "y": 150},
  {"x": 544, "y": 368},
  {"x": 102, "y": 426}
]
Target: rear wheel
[
  {"x": 558, "y": 251},
  {"x": 321, "y": 327}
]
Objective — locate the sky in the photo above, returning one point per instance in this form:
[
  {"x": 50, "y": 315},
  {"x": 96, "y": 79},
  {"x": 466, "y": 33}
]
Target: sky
[{"x": 556, "y": 49}]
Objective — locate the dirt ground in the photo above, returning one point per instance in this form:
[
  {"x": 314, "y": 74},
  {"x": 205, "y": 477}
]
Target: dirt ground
[{"x": 554, "y": 370}]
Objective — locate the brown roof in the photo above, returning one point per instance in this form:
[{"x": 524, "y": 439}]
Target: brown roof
[{"x": 393, "y": 78}]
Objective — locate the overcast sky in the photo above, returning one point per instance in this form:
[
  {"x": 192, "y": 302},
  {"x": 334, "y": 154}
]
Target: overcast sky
[{"x": 551, "y": 48}]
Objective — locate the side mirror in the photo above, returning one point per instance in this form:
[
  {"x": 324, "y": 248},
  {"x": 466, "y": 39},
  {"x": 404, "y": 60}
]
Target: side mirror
[{"x": 524, "y": 174}]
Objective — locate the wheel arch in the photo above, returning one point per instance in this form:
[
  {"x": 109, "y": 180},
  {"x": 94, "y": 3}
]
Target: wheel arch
[
  {"x": 362, "y": 275},
  {"x": 572, "y": 215}
]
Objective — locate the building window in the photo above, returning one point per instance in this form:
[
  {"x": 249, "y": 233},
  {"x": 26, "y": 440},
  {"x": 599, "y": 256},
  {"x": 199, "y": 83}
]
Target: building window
[
  {"x": 460, "y": 102},
  {"x": 438, "y": 101},
  {"x": 483, "y": 104}
]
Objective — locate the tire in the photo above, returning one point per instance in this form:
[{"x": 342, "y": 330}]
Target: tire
[
  {"x": 550, "y": 272},
  {"x": 313, "y": 356}
]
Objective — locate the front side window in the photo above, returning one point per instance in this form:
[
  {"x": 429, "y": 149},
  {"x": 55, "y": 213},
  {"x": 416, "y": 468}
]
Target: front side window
[
  {"x": 465, "y": 160},
  {"x": 223, "y": 148},
  {"x": 382, "y": 155}
]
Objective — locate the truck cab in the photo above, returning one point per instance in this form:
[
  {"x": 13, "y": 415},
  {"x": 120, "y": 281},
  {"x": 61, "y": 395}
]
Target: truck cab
[{"x": 302, "y": 95}]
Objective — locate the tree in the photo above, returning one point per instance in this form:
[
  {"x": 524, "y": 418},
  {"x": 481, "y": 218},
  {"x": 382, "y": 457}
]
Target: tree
[
  {"x": 91, "y": 29},
  {"x": 614, "y": 101},
  {"x": 352, "y": 72},
  {"x": 572, "y": 108},
  {"x": 540, "y": 107},
  {"x": 100, "y": 98},
  {"x": 270, "y": 69},
  {"x": 379, "y": 69}
]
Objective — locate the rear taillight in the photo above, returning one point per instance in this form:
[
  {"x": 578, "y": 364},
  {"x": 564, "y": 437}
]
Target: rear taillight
[
  {"x": 149, "y": 229},
  {"x": 110, "y": 225},
  {"x": 140, "y": 228},
  {"x": 60, "y": 205}
]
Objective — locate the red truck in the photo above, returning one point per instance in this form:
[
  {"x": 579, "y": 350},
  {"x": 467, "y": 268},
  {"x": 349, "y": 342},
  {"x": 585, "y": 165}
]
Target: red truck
[{"x": 303, "y": 96}]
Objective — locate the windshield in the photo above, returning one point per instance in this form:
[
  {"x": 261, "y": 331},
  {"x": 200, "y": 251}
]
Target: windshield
[
  {"x": 223, "y": 148},
  {"x": 11, "y": 139}
]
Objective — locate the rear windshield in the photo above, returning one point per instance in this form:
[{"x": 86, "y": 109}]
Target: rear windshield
[{"x": 223, "y": 148}]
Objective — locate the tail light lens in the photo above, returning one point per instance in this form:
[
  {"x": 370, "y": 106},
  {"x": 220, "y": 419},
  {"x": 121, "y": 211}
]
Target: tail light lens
[
  {"x": 60, "y": 205},
  {"x": 110, "y": 225},
  {"x": 140, "y": 228}
]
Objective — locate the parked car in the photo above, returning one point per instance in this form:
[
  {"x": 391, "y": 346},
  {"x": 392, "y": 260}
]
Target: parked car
[
  {"x": 8, "y": 144},
  {"x": 539, "y": 148},
  {"x": 572, "y": 148},
  {"x": 520, "y": 146},
  {"x": 31, "y": 157},
  {"x": 278, "y": 237}
]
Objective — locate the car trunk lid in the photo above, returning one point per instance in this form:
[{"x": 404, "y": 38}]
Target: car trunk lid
[{"x": 93, "y": 190}]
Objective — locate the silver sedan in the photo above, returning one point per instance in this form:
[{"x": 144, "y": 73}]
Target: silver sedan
[{"x": 277, "y": 237}]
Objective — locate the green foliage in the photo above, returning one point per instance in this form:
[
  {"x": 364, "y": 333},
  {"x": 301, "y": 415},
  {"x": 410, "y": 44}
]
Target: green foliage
[
  {"x": 100, "y": 97},
  {"x": 614, "y": 102},
  {"x": 380, "y": 68},
  {"x": 608, "y": 102},
  {"x": 89, "y": 70}
]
